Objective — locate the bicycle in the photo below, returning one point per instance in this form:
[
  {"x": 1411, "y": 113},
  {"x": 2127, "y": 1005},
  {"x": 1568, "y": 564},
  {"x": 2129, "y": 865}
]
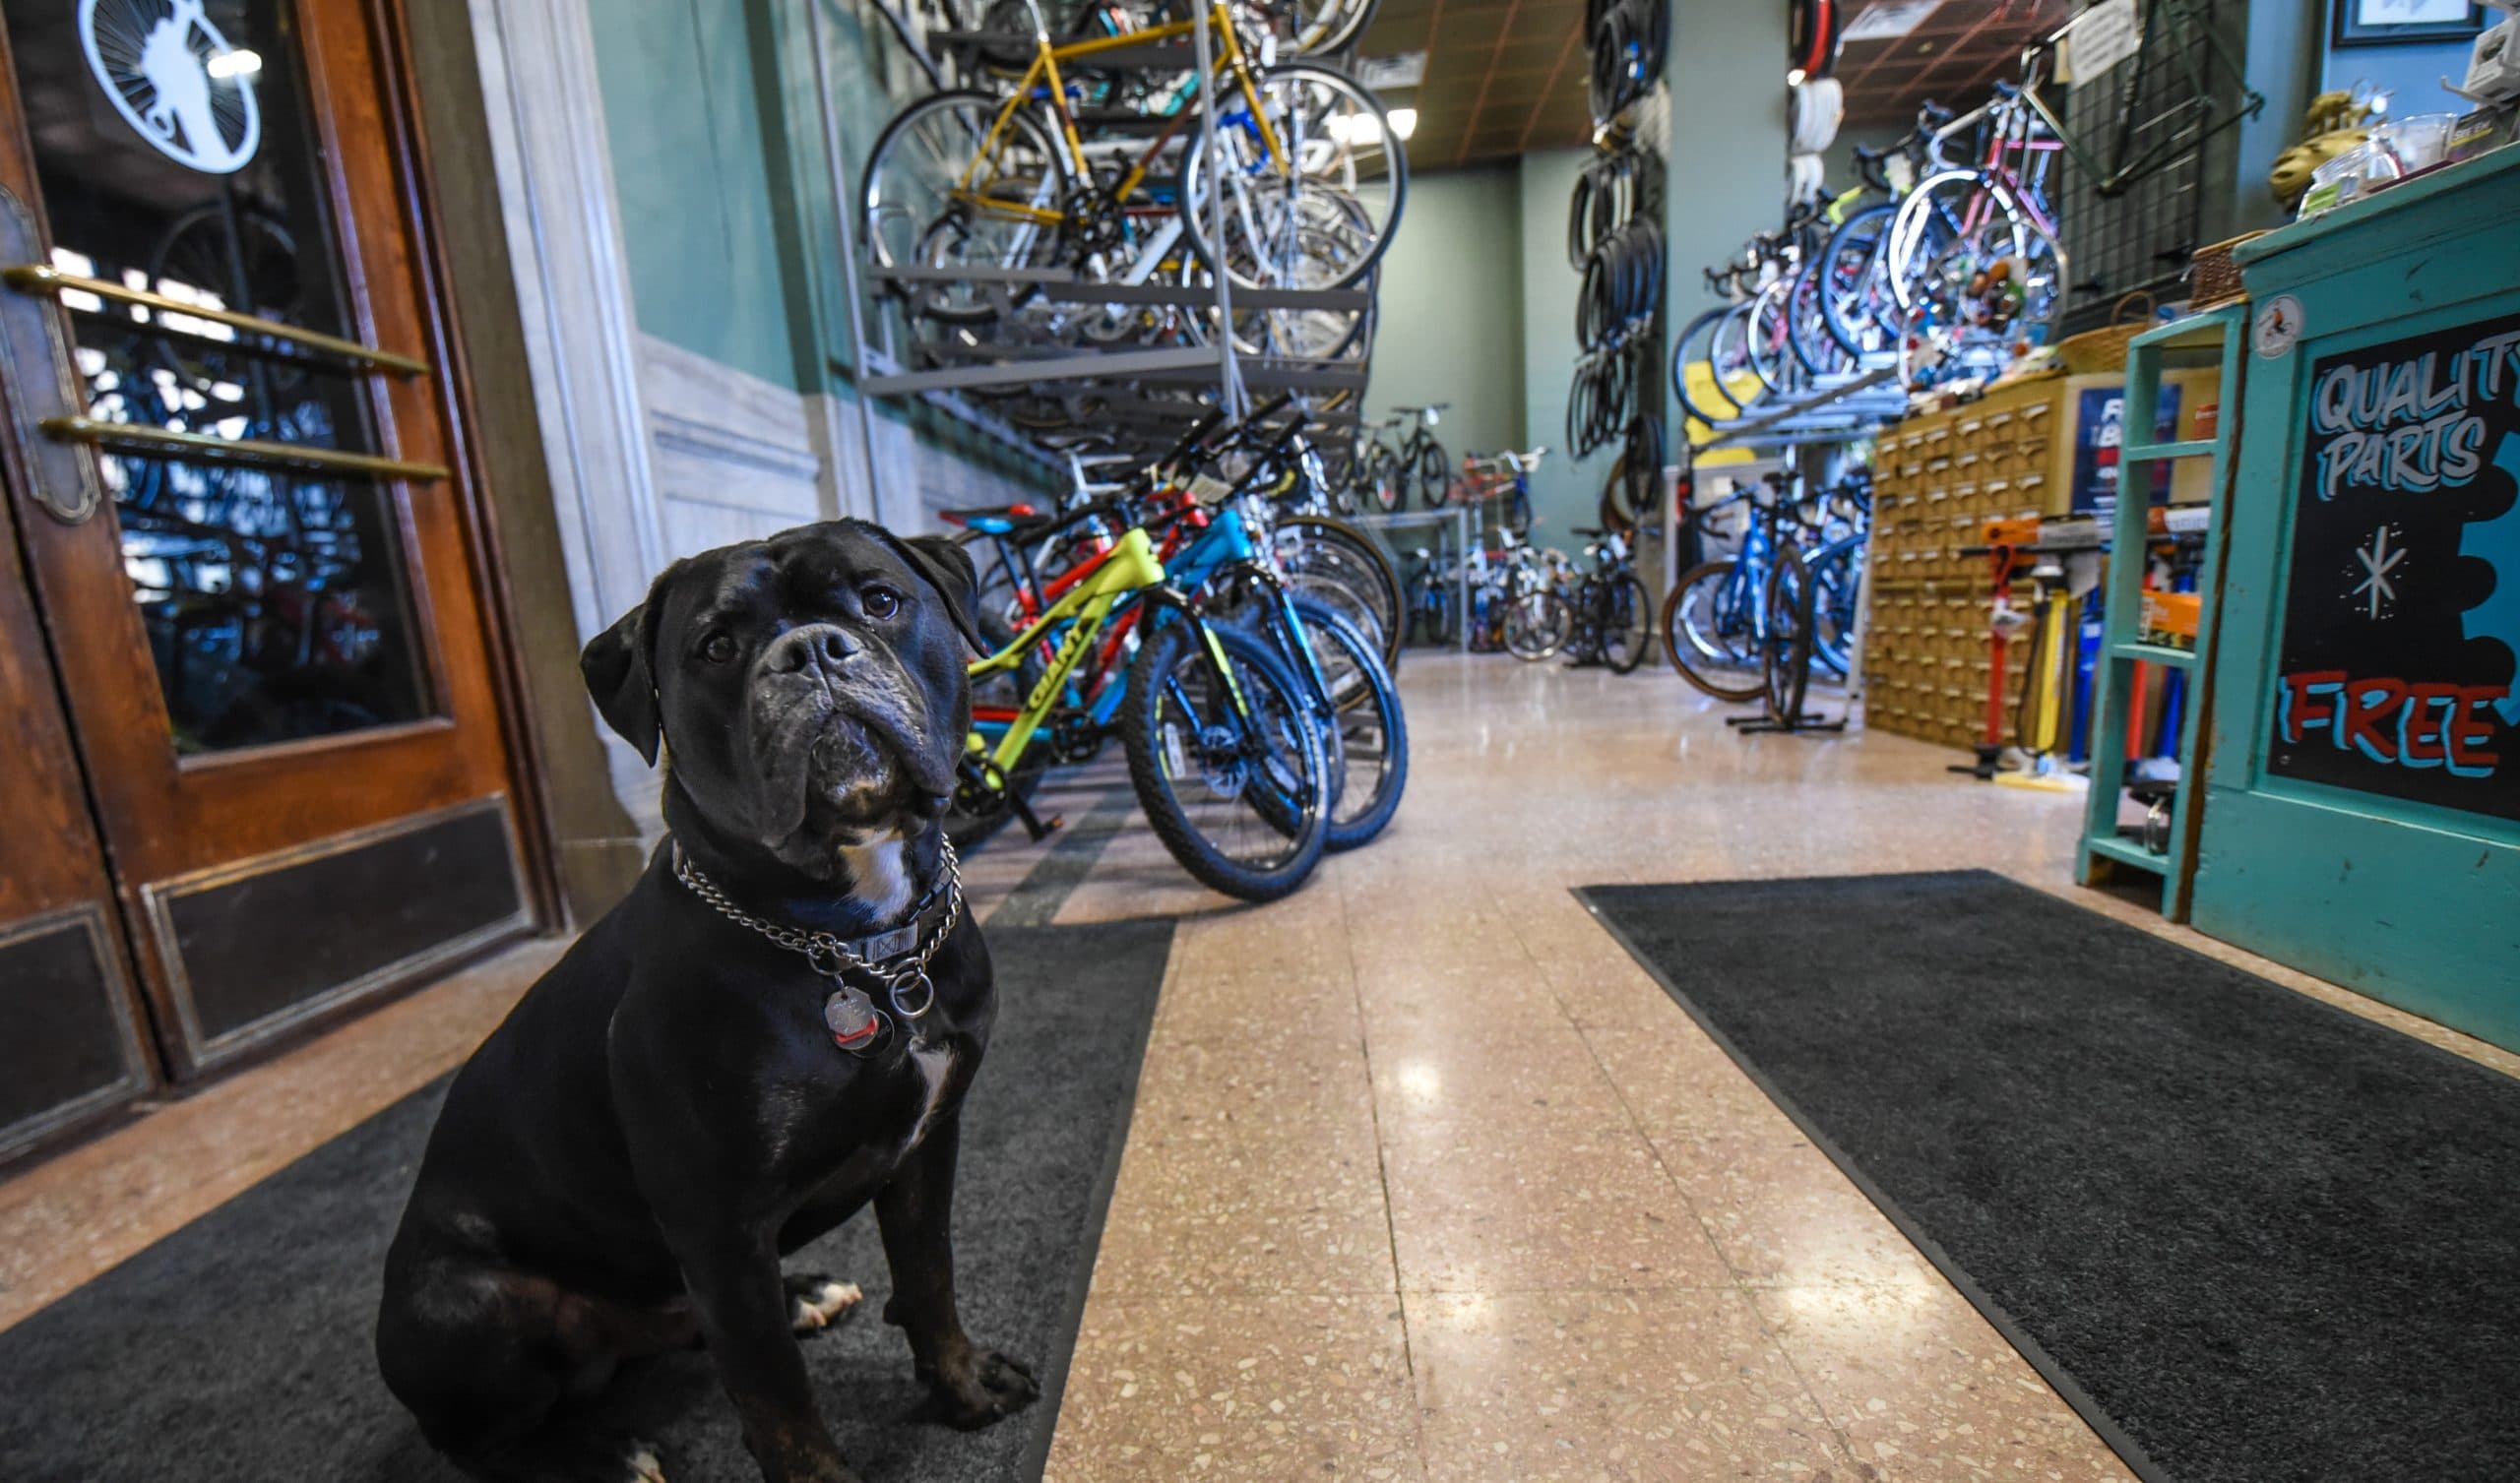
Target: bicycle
[
  {"x": 1610, "y": 610},
  {"x": 1213, "y": 550},
  {"x": 968, "y": 179},
  {"x": 1390, "y": 470},
  {"x": 1973, "y": 260},
  {"x": 1721, "y": 620},
  {"x": 1505, "y": 477}
]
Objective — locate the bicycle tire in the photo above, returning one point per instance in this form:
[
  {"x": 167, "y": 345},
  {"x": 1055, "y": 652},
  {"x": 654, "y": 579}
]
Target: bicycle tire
[
  {"x": 1833, "y": 636},
  {"x": 1864, "y": 233},
  {"x": 890, "y": 248},
  {"x": 1706, "y": 323},
  {"x": 1537, "y": 624},
  {"x": 1153, "y": 741},
  {"x": 1635, "y": 628},
  {"x": 1785, "y": 675},
  {"x": 1372, "y": 729},
  {"x": 1331, "y": 37},
  {"x": 1697, "y": 663},
  {"x": 1394, "y": 182},
  {"x": 1434, "y": 475},
  {"x": 1345, "y": 557}
]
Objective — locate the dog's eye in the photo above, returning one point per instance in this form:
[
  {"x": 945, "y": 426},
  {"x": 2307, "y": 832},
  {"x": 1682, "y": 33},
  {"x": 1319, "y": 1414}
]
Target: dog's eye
[
  {"x": 881, "y": 602},
  {"x": 717, "y": 648}
]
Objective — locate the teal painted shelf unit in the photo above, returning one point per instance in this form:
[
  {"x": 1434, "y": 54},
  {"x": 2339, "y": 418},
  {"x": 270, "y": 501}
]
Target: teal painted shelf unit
[{"x": 2105, "y": 850}]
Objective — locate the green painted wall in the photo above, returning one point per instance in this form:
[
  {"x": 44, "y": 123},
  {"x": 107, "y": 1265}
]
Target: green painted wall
[
  {"x": 683, "y": 113},
  {"x": 716, "y": 129},
  {"x": 1727, "y": 153},
  {"x": 1564, "y": 493},
  {"x": 1451, "y": 318}
]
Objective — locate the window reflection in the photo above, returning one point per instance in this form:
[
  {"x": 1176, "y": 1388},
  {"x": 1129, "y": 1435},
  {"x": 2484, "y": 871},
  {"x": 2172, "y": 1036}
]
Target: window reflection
[{"x": 174, "y": 156}]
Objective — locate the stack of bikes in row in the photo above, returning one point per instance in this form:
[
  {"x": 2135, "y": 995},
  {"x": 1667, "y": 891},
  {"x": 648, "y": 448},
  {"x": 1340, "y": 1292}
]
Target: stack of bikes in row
[
  {"x": 1759, "y": 624},
  {"x": 1238, "y": 642},
  {"x": 1049, "y": 200},
  {"x": 1942, "y": 264},
  {"x": 1399, "y": 462}
]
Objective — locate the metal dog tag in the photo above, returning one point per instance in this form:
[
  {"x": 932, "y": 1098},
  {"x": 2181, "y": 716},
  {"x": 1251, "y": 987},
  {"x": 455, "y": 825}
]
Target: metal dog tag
[{"x": 852, "y": 1018}]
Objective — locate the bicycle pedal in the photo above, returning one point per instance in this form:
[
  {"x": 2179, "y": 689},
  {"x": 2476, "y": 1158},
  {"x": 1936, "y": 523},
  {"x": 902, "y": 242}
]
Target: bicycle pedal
[{"x": 1034, "y": 823}]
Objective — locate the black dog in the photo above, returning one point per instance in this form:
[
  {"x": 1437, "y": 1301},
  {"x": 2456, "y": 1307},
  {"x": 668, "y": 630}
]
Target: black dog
[{"x": 682, "y": 1100}]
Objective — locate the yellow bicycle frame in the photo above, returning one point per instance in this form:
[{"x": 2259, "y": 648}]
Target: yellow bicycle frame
[
  {"x": 1046, "y": 58},
  {"x": 1131, "y": 567}
]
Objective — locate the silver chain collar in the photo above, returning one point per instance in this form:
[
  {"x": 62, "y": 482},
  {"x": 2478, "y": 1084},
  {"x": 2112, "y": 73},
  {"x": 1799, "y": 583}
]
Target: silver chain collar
[{"x": 905, "y": 980}]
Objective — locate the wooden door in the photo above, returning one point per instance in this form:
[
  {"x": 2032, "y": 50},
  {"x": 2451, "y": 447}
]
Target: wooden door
[
  {"x": 73, "y": 1047},
  {"x": 234, "y": 462}
]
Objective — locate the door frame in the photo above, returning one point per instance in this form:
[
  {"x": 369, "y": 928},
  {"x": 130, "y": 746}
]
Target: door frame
[{"x": 353, "y": 88}]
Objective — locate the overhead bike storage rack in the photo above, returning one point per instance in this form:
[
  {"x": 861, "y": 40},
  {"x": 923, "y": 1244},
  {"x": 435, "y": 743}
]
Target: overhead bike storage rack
[{"x": 1138, "y": 391}]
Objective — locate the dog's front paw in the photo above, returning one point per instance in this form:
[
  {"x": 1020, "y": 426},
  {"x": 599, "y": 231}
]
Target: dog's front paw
[{"x": 986, "y": 1387}]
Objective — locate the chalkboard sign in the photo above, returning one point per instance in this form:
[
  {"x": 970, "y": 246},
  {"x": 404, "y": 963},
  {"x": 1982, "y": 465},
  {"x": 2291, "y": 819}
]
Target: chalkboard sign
[{"x": 2402, "y": 616}]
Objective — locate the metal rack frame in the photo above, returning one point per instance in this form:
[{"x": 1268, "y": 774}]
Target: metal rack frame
[{"x": 877, "y": 370}]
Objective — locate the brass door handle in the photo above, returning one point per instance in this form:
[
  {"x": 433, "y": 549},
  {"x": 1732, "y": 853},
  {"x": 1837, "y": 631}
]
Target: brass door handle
[
  {"x": 46, "y": 282},
  {"x": 250, "y": 453},
  {"x": 38, "y": 381}
]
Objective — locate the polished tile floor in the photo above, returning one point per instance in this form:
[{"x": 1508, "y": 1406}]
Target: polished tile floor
[{"x": 1426, "y": 1180}]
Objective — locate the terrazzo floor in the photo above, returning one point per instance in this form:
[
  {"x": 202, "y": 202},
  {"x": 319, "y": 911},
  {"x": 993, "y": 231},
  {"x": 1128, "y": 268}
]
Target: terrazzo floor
[{"x": 1426, "y": 1180}]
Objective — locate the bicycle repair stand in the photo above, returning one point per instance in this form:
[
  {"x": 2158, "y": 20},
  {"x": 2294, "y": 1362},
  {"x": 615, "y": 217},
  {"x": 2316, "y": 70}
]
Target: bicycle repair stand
[{"x": 1806, "y": 723}]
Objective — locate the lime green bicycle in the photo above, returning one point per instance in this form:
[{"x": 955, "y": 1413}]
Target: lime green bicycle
[{"x": 1226, "y": 757}]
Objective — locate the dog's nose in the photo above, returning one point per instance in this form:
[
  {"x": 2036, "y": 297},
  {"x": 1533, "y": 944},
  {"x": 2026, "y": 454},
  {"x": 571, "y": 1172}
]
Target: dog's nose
[{"x": 816, "y": 646}]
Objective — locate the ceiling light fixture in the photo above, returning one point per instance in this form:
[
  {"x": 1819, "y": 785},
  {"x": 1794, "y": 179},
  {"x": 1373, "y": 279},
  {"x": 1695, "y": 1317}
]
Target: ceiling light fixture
[{"x": 1403, "y": 122}]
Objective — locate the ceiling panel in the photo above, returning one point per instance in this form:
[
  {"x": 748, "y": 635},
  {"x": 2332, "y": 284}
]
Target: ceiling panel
[
  {"x": 1504, "y": 79},
  {"x": 1501, "y": 79},
  {"x": 1952, "y": 58}
]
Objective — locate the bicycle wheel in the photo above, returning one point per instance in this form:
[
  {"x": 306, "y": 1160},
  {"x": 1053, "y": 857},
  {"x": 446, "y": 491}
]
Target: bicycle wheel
[
  {"x": 1366, "y": 719},
  {"x": 1710, "y": 629},
  {"x": 1627, "y": 623},
  {"x": 1694, "y": 350},
  {"x": 1730, "y": 358},
  {"x": 1537, "y": 624},
  {"x": 1837, "y": 586},
  {"x": 1236, "y": 793},
  {"x": 1980, "y": 280},
  {"x": 1321, "y": 212},
  {"x": 1856, "y": 302},
  {"x": 1768, "y": 339},
  {"x": 1785, "y": 675},
  {"x": 1435, "y": 611},
  {"x": 1380, "y": 475},
  {"x": 1324, "y": 28},
  {"x": 917, "y": 211},
  {"x": 1341, "y": 566},
  {"x": 1434, "y": 475}
]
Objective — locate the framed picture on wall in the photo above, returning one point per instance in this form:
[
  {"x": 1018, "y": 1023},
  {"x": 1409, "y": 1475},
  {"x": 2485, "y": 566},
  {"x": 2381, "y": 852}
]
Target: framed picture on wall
[{"x": 2378, "y": 23}]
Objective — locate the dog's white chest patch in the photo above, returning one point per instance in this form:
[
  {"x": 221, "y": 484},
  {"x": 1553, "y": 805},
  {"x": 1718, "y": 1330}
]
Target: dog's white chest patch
[
  {"x": 935, "y": 1069},
  {"x": 879, "y": 876}
]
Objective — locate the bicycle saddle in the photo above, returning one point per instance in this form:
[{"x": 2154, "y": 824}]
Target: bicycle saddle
[{"x": 993, "y": 520}]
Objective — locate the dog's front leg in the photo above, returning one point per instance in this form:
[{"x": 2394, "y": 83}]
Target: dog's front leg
[
  {"x": 970, "y": 1386},
  {"x": 743, "y": 1302}
]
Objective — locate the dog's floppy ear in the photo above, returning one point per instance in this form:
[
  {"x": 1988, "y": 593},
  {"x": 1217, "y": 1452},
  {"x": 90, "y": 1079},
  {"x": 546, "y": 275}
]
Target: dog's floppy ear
[
  {"x": 624, "y": 685},
  {"x": 945, "y": 566}
]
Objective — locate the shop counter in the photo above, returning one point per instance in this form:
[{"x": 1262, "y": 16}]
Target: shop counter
[{"x": 2363, "y": 811}]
